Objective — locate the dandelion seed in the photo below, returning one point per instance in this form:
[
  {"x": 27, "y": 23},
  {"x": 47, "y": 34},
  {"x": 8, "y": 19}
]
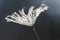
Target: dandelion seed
[{"x": 28, "y": 19}]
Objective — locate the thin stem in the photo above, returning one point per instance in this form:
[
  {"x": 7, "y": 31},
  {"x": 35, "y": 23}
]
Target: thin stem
[{"x": 36, "y": 33}]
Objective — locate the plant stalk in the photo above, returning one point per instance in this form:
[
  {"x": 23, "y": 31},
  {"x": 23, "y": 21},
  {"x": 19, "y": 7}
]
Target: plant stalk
[{"x": 36, "y": 33}]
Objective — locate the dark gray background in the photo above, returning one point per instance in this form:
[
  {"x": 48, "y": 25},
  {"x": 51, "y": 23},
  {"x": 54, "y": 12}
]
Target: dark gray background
[{"x": 47, "y": 24}]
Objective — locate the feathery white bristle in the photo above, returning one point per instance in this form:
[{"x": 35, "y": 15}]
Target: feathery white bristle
[{"x": 24, "y": 19}]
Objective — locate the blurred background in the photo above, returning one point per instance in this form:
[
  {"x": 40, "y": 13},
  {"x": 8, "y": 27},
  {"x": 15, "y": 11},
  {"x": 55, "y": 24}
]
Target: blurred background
[{"x": 47, "y": 24}]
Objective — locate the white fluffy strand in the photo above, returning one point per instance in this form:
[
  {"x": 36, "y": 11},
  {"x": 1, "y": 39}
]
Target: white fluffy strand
[{"x": 24, "y": 19}]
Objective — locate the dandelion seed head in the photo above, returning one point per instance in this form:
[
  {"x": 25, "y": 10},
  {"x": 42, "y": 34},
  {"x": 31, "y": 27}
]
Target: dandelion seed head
[{"x": 28, "y": 19}]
